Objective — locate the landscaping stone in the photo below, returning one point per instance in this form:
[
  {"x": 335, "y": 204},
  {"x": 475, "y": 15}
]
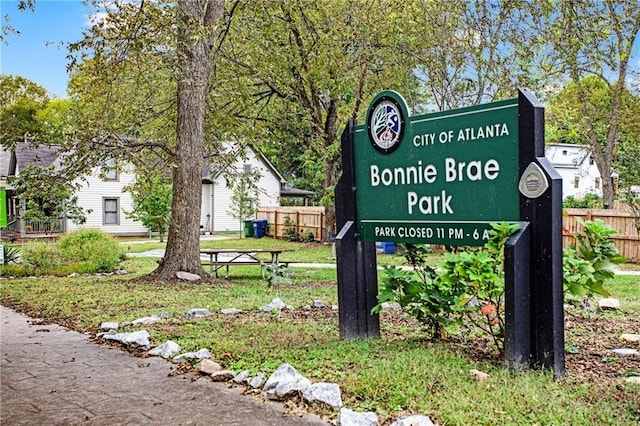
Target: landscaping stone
[
  {"x": 230, "y": 311},
  {"x": 223, "y": 376},
  {"x": 108, "y": 326},
  {"x": 480, "y": 375},
  {"x": 334, "y": 307},
  {"x": 166, "y": 350},
  {"x": 197, "y": 313},
  {"x": 276, "y": 303},
  {"x": 284, "y": 382},
  {"x": 121, "y": 272},
  {"x": 145, "y": 320},
  {"x": 609, "y": 303},
  {"x": 136, "y": 340},
  {"x": 206, "y": 366},
  {"x": 258, "y": 381},
  {"x": 388, "y": 305},
  {"x": 351, "y": 418},
  {"x": 413, "y": 421},
  {"x": 633, "y": 380},
  {"x": 326, "y": 393},
  {"x": 625, "y": 352},
  {"x": 187, "y": 276},
  {"x": 630, "y": 337},
  {"x": 189, "y": 356},
  {"x": 241, "y": 378},
  {"x": 318, "y": 304}
]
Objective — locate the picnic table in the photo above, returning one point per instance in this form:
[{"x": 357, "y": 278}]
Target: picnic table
[{"x": 219, "y": 258}]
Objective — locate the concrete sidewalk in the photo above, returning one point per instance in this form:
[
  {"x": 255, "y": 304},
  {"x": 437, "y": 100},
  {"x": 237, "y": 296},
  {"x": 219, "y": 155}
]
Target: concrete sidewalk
[{"x": 54, "y": 376}]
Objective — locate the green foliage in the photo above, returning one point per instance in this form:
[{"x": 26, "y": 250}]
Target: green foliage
[
  {"x": 49, "y": 196},
  {"x": 20, "y": 102},
  {"x": 591, "y": 261},
  {"x": 246, "y": 196},
  {"x": 41, "y": 257},
  {"x": 589, "y": 201},
  {"x": 94, "y": 250},
  {"x": 152, "y": 195},
  {"x": 86, "y": 251},
  {"x": 290, "y": 232},
  {"x": 11, "y": 254},
  {"x": 421, "y": 293}
]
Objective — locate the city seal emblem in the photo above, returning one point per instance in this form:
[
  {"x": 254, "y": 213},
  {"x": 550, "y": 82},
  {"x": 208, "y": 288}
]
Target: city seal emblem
[{"x": 386, "y": 124}]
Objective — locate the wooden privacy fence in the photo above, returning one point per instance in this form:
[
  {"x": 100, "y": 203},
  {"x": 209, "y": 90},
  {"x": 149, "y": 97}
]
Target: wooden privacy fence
[
  {"x": 311, "y": 219},
  {"x": 626, "y": 240},
  {"x": 303, "y": 220}
]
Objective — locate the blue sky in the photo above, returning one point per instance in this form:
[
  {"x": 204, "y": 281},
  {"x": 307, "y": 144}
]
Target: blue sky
[{"x": 39, "y": 52}]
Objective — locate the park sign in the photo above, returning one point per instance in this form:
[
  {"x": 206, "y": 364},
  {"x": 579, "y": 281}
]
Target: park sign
[{"x": 438, "y": 178}]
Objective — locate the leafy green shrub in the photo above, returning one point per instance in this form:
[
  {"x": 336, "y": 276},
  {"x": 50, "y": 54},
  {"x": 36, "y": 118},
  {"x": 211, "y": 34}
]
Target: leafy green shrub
[
  {"x": 591, "y": 261},
  {"x": 11, "y": 254},
  {"x": 20, "y": 270},
  {"x": 91, "y": 250},
  {"x": 589, "y": 201},
  {"x": 421, "y": 293},
  {"x": 41, "y": 257},
  {"x": 290, "y": 232}
]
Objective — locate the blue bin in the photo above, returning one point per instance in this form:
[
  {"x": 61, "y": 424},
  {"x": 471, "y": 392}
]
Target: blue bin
[
  {"x": 259, "y": 228},
  {"x": 386, "y": 248}
]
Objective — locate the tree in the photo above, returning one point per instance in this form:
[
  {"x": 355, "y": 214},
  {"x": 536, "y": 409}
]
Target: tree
[
  {"x": 325, "y": 60},
  {"x": 151, "y": 194},
  {"x": 20, "y": 102},
  {"x": 48, "y": 197},
  {"x": 595, "y": 39},
  {"x": 141, "y": 79},
  {"x": 246, "y": 196}
]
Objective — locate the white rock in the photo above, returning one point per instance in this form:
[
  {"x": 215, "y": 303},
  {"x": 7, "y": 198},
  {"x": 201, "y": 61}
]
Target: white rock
[
  {"x": 351, "y": 418},
  {"x": 413, "y": 421},
  {"x": 258, "y": 381},
  {"x": 480, "y": 375},
  {"x": 145, "y": 320},
  {"x": 630, "y": 337},
  {"x": 201, "y": 354},
  {"x": 108, "y": 326},
  {"x": 318, "y": 304},
  {"x": 230, "y": 311},
  {"x": 165, "y": 350},
  {"x": 633, "y": 379},
  {"x": 223, "y": 376},
  {"x": 284, "y": 382},
  {"x": 241, "y": 378},
  {"x": 197, "y": 313},
  {"x": 387, "y": 305},
  {"x": 326, "y": 393},
  {"x": 206, "y": 366},
  {"x": 187, "y": 276},
  {"x": 609, "y": 303},
  {"x": 625, "y": 352},
  {"x": 138, "y": 340}
]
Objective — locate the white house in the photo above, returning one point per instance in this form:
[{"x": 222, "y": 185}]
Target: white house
[
  {"x": 103, "y": 195},
  {"x": 580, "y": 175},
  {"x": 217, "y": 191}
]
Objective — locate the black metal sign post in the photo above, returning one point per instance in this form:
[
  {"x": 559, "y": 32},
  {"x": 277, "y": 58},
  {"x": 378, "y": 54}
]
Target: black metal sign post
[
  {"x": 534, "y": 319},
  {"x": 356, "y": 260},
  {"x": 544, "y": 213}
]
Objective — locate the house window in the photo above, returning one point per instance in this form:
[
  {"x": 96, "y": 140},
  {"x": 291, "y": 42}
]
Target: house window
[
  {"x": 246, "y": 168},
  {"x": 576, "y": 182},
  {"x": 111, "y": 211},
  {"x": 597, "y": 184},
  {"x": 591, "y": 161},
  {"x": 110, "y": 170},
  {"x": 564, "y": 152}
]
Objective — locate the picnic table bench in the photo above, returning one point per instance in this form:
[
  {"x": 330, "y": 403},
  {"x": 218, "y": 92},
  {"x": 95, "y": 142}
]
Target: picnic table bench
[{"x": 219, "y": 258}]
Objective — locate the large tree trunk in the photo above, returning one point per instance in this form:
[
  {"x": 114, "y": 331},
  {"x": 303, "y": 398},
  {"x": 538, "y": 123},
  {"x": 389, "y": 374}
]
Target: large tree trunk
[{"x": 197, "y": 21}]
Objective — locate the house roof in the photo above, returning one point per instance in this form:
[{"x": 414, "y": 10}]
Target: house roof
[
  {"x": 574, "y": 157},
  {"x": 25, "y": 154}
]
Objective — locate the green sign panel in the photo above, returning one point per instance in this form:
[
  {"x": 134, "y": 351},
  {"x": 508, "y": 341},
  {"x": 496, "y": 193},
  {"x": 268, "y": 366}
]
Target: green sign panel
[
  {"x": 3, "y": 207},
  {"x": 438, "y": 178}
]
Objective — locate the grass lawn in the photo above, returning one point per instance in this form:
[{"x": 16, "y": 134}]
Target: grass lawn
[{"x": 402, "y": 372}]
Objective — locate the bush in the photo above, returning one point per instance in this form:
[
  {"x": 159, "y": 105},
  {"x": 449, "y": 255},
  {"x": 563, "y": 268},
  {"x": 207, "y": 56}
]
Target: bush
[
  {"x": 41, "y": 257},
  {"x": 86, "y": 251},
  {"x": 92, "y": 251}
]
